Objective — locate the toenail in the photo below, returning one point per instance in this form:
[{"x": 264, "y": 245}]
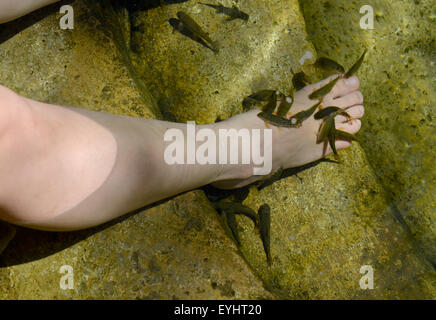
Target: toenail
[
  {"x": 350, "y": 81},
  {"x": 359, "y": 97}
]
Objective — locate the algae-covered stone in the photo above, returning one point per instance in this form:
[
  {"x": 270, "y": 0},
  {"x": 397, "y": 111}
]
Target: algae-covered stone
[
  {"x": 352, "y": 223},
  {"x": 323, "y": 229},
  {"x": 322, "y": 234},
  {"x": 193, "y": 82},
  {"x": 397, "y": 80},
  {"x": 174, "y": 251},
  {"x": 79, "y": 67},
  {"x": 177, "y": 250}
]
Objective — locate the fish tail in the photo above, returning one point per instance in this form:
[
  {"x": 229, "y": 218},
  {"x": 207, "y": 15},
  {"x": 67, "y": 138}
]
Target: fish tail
[{"x": 215, "y": 46}]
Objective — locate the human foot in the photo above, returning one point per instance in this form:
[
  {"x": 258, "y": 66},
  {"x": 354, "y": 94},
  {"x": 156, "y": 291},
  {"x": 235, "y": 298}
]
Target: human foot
[{"x": 293, "y": 147}]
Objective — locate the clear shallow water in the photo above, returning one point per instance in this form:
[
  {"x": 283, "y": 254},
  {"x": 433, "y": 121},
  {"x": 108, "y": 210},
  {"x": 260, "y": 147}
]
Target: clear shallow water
[{"x": 339, "y": 217}]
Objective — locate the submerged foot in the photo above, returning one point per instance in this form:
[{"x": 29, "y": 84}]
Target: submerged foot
[{"x": 293, "y": 147}]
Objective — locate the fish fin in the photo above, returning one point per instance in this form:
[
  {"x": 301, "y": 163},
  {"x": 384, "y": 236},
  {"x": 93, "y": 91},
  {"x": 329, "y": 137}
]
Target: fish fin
[
  {"x": 332, "y": 142},
  {"x": 215, "y": 46},
  {"x": 345, "y": 136}
]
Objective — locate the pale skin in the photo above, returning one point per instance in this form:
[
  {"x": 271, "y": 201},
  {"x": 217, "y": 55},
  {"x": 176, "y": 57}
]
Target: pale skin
[{"x": 66, "y": 169}]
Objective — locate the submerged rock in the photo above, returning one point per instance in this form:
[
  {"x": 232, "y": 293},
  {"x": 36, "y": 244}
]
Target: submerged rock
[
  {"x": 322, "y": 234},
  {"x": 397, "y": 80},
  {"x": 192, "y": 81},
  {"x": 177, "y": 250},
  {"x": 324, "y": 229}
]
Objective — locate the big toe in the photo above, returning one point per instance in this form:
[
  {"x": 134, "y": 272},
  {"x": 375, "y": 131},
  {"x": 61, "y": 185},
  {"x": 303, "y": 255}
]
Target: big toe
[{"x": 344, "y": 87}]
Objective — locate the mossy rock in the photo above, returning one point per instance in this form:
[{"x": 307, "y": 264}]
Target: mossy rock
[
  {"x": 397, "y": 80},
  {"x": 131, "y": 63}
]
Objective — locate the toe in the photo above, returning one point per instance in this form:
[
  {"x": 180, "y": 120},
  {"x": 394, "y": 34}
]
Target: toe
[
  {"x": 351, "y": 127},
  {"x": 352, "y": 99},
  {"x": 344, "y": 87},
  {"x": 355, "y": 112},
  {"x": 315, "y": 86},
  {"x": 342, "y": 144}
]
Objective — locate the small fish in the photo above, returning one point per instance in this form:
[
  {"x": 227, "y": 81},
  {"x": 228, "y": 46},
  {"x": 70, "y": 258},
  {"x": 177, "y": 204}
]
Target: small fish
[
  {"x": 285, "y": 105},
  {"x": 303, "y": 115},
  {"x": 237, "y": 208},
  {"x": 299, "y": 80},
  {"x": 294, "y": 122},
  {"x": 277, "y": 121},
  {"x": 233, "y": 226},
  {"x": 7, "y": 233},
  {"x": 321, "y": 92},
  {"x": 326, "y": 127},
  {"x": 197, "y": 32},
  {"x": 342, "y": 135},
  {"x": 264, "y": 213},
  {"x": 233, "y": 12},
  {"x": 241, "y": 194},
  {"x": 356, "y": 65},
  {"x": 327, "y": 111},
  {"x": 331, "y": 136},
  {"x": 329, "y": 65},
  {"x": 263, "y": 95},
  {"x": 214, "y": 194},
  {"x": 271, "y": 105}
]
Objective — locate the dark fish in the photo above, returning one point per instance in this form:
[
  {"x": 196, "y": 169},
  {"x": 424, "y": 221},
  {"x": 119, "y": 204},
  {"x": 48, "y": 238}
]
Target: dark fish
[
  {"x": 294, "y": 122},
  {"x": 342, "y": 135},
  {"x": 303, "y": 115},
  {"x": 241, "y": 194},
  {"x": 275, "y": 120},
  {"x": 7, "y": 233},
  {"x": 233, "y": 225},
  {"x": 271, "y": 105},
  {"x": 299, "y": 80},
  {"x": 265, "y": 230},
  {"x": 326, "y": 127},
  {"x": 197, "y": 32},
  {"x": 233, "y": 12},
  {"x": 214, "y": 194},
  {"x": 321, "y": 92},
  {"x": 329, "y": 65},
  {"x": 327, "y": 111},
  {"x": 331, "y": 136},
  {"x": 285, "y": 105},
  {"x": 270, "y": 179},
  {"x": 263, "y": 95},
  {"x": 236, "y": 208},
  {"x": 356, "y": 66}
]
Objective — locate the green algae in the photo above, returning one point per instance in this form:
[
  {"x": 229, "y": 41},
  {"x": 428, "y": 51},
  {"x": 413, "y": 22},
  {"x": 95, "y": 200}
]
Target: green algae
[
  {"x": 322, "y": 230},
  {"x": 398, "y": 131}
]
